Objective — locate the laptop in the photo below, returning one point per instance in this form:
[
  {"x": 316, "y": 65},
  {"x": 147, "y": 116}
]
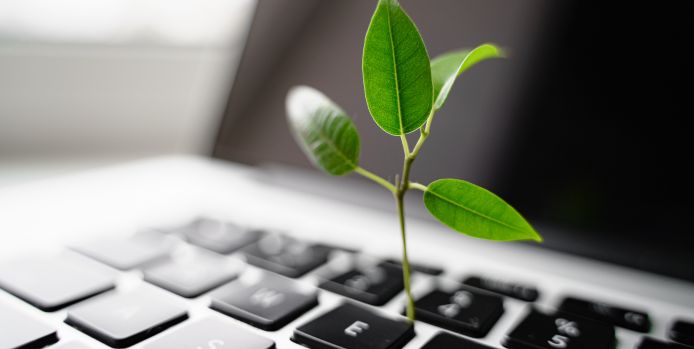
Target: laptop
[{"x": 251, "y": 248}]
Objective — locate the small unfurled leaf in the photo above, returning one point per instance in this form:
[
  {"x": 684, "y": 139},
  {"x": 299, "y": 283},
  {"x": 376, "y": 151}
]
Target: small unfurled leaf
[
  {"x": 446, "y": 68},
  {"x": 397, "y": 75},
  {"x": 475, "y": 211},
  {"x": 326, "y": 134}
]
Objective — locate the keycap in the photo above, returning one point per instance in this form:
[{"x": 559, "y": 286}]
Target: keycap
[
  {"x": 375, "y": 284},
  {"x": 504, "y": 288},
  {"x": 191, "y": 272},
  {"x": 682, "y": 332},
  {"x": 218, "y": 236},
  {"x": 350, "y": 326},
  {"x": 420, "y": 268},
  {"x": 652, "y": 343},
  {"x": 18, "y": 330},
  {"x": 71, "y": 345},
  {"x": 626, "y": 318},
  {"x": 210, "y": 333},
  {"x": 127, "y": 253},
  {"x": 123, "y": 319},
  {"x": 264, "y": 300},
  {"x": 52, "y": 283},
  {"x": 539, "y": 330},
  {"x": 446, "y": 340},
  {"x": 287, "y": 256},
  {"x": 466, "y": 310}
]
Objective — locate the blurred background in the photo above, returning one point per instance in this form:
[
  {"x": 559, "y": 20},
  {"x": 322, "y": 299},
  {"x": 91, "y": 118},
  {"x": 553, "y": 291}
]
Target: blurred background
[
  {"x": 85, "y": 83},
  {"x": 583, "y": 128}
]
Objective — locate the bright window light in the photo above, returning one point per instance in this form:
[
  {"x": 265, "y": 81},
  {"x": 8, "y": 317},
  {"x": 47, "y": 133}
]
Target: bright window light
[{"x": 165, "y": 22}]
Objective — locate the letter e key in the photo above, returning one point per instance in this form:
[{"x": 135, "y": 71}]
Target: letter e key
[{"x": 356, "y": 328}]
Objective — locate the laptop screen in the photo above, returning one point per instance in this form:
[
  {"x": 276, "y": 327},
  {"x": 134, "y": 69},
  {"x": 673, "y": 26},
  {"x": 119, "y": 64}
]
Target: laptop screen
[
  {"x": 582, "y": 129},
  {"x": 599, "y": 147}
]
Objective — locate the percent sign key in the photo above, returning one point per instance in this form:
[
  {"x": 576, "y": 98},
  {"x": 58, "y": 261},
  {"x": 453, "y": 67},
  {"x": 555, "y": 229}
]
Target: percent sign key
[{"x": 559, "y": 331}]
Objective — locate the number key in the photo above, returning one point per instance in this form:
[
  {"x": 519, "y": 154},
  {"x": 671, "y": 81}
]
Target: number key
[
  {"x": 467, "y": 311},
  {"x": 287, "y": 256},
  {"x": 627, "y": 318},
  {"x": 218, "y": 236},
  {"x": 511, "y": 289},
  {"x": 374, "y": 285},
  {"x": 539, "y": 330}
]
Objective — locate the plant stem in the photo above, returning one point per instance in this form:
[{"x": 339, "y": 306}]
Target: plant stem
[
  {"x": 418, "y": 186},
  {"x": 423, "y": 134},
  {"x": 402, "y": 184},
  {"x": 376, "y": 178},
  {"x": 405, "y": 259},
  {"x": 405, "y": 145}
]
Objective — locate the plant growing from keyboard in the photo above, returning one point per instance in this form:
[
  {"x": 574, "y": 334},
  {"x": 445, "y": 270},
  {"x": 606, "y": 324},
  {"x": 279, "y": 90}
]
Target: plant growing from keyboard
[{"x": 404, "y": 90}]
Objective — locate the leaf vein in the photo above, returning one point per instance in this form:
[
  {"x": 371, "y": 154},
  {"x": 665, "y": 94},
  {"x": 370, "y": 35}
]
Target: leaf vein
[
  {"x": 395, "y": 70},
  {"x": 328, "y": 141},
  {"x": 476, "y": 212}
]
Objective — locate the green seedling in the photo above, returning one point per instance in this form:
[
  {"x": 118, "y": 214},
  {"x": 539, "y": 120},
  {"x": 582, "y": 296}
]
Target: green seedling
[{"x": 404, "y": 90}]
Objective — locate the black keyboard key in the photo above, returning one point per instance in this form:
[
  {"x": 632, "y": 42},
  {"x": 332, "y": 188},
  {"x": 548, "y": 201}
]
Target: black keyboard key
[
  {"x": 218, "y": 236},
  {"x": 652, "y": 343},
  {"x": 123, "y": 319},
  {"x": 375, "y": 284},
  {"x": 211, "y": 333},
  {"x": 18, "y": 330},
  {"x": 466, "y": 310},
  {"x": 446, "y": 340},
  {"x": 191, "y": 272},
  {"x": 350, "y": 326},
  {"x": 682, "y": 332},
  {"x": 128, "y": 253},
  {"x": 51, "y": 284},
  {"x": 287, "y": 256},
  {"x": 539, "y": 331},
  {"x": 626, "y": 318},
  {"x": 510, "y": 289},
  {"x": 264, "y": 300},
  {"x": 420, "y": 268}
]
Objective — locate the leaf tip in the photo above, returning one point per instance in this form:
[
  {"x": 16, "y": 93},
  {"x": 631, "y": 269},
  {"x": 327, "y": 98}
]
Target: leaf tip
[
  {"x": 533, "y": 234},
  {"x": 390, "y": 2},
  {"x": 499, "y": 51},
  {"x": 537, "y": 237}
]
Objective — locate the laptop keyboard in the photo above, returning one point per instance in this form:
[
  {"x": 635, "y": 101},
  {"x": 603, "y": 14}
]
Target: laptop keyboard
[
  {"x": 123, "y": 319},
  {"x": 353, "y": 326},
  {"x": 264, "y": 300},
  {"x": 466, "y": 310},
  {"x": 273, "y": 281},
  {"x": 18, "y": 330}
]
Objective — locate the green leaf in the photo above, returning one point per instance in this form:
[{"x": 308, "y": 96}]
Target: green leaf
[
  {"x": 475, "y": 211},
  {"x": 397, "y": 75},
  {"x": 326, "y": 134},
  {"x": 446, "y": 68}
]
